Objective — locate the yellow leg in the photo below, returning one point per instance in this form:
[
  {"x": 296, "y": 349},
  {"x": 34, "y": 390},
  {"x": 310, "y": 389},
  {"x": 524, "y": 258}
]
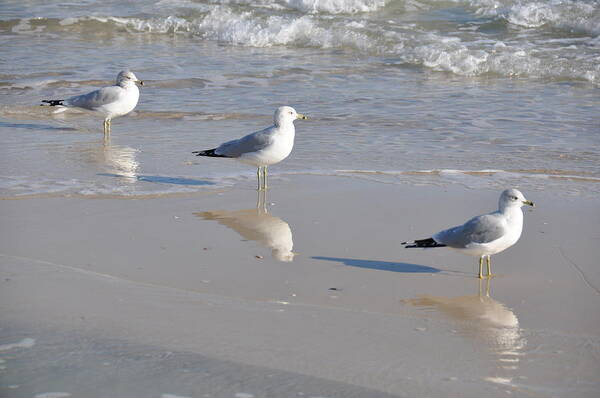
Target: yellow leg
[
  {"x": 258, "y": 175},
  {"x": 106, "y": 129},
  {"x": 265, "y": 178},
  {"x": 489, "y": 266},
  {"x": 481, "y": 267}
]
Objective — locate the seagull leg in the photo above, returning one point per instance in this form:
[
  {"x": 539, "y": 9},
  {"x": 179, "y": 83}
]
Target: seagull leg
[
  {"x": 258, "y": 174},
  {"x": 265, "y": 178},
  {"x": 106, "y": 129},
  {"x": 489, "y": 266},
  {"x": 481, "y": 267}
]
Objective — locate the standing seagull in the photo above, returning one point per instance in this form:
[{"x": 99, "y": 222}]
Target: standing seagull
[
  {"x": 486, "y": 234},
  {"x": 110, "y": 102},
  {"x": 262, "y": 148}
]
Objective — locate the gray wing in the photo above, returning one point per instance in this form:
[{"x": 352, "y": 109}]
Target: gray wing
[
  {"x": 480, "y": 229},
  {"x": 250, "y": 143},
  {"x": 96, "y": 98}
]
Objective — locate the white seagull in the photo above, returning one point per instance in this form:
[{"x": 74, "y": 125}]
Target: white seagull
[
  {"x": 262, "y": 148},
  {"x": 110, "y": 102},
  {"x": 484, "y": 235}
]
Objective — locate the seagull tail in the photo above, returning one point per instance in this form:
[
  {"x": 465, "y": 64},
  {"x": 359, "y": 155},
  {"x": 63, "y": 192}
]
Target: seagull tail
[
  {"x": 209, "y": 152},
  {"x": 423, "y": 243},
  {"x": 53, "y": 102}
]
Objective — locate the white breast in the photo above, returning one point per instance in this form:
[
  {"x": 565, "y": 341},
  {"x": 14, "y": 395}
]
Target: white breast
[{"x": 124, "y": 105}]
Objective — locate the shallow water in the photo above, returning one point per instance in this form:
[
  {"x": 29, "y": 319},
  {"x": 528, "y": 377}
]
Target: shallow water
[{"x": 484, "y": 93}]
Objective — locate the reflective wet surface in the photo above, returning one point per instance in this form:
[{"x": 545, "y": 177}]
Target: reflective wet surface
[
  {"x": 190, "y": 284},
  {"x": 258, "y": 225}
]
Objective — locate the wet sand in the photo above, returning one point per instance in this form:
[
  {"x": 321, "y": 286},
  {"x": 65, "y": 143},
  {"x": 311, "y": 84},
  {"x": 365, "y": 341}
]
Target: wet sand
[{"x": 187, "y": 295}]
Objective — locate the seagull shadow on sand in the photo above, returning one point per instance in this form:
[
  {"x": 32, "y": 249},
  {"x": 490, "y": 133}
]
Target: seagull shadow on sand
[
  {"x": 382, "y": 265},
  {"x": 163, "y": 179},
  {"x": 173, "y": 180},
  {"x": 35, "y": 126}
]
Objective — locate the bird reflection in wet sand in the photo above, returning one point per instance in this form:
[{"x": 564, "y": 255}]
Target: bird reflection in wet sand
[
  {"x": 483, "y": 319},
  {"x": 121, "y": 160},
  {"x": 113, "y": 160},
  {"x": 258, "y": 225}
]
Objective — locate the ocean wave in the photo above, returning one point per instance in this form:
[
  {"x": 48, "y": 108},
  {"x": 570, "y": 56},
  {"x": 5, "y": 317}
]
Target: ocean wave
[
  {"x": 567, "y": 182},
  {"x": 336, "y": 6},
  {"x": 554, "y": 40},
  {"x": 570, "y": 15},
  {"x": 516, "y": 173},
  {"x": 500, "y": 59},
  {"x": 308, "y": 6},
  {"x": 126, "y": 183}
]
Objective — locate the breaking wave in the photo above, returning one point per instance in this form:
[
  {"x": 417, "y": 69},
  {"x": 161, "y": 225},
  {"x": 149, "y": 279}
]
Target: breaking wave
[{"x": 514, "y": 38}]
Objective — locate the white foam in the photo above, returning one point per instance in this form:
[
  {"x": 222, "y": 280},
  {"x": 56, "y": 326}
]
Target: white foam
[
  {"x": 336, "y": 6},
  {"x": 243, "y": 395},
  {"x": 25, "y": 343},
  {"x": 579, "y": 16},
  {"x": 499, "y": 380},
  {"x": 332, "y": 24},
  {"x": 53, "y": 395}
]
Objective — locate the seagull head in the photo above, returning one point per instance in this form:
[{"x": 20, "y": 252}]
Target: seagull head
[
  {"x": 287, "y": 114},
  {"x": 126, "y": 78},
  {"x": 513, "y": 198}
]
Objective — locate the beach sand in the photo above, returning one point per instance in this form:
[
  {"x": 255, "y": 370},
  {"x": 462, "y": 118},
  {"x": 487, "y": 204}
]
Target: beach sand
[{"x": 155, "y": 298}]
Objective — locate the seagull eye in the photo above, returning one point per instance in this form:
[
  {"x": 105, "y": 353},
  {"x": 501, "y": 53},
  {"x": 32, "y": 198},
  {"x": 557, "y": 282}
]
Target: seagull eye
[{"x": 513, "y": 198}]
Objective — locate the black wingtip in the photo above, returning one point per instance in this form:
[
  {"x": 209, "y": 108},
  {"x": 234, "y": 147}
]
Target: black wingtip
[
  {"x": 208, "y": 152},
  {"x": 53, "y": 102},
  {"x": 422, "y": 243}
]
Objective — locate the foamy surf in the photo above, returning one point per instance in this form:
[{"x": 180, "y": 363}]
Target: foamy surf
[
  {"x": 140, "y": 186},
  {"x": 25, "y": 343},
  {"x": 530, "y": 39}
]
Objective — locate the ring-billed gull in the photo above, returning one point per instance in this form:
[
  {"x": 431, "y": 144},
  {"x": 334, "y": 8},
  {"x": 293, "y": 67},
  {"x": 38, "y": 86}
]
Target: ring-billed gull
[
  {"x": 262, "y": 148},
  {"x": 110, "y": 102},
  {"x": 486, "y": 234}
]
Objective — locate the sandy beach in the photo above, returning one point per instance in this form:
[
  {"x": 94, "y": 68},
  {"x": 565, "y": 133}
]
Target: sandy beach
[
  {"x": 152, "y": 297},
  {"x": 131, "y": 268}
]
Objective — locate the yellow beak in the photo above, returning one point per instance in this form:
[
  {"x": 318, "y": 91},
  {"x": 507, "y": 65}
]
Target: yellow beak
[
  {"x": 529, "y": 202},
  {"x": 140, "y": 82},
  {"x": 301, "y": 116}
]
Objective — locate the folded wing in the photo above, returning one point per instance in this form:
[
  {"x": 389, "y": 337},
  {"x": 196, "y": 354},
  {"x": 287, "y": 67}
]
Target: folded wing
[{"x": 481, "y": 229}]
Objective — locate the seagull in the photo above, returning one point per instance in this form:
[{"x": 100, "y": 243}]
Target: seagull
[
  {"x": 262, "y": 148},
  {"x": 483, "y": 235},
  {"x": 110, "y": 102}
]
